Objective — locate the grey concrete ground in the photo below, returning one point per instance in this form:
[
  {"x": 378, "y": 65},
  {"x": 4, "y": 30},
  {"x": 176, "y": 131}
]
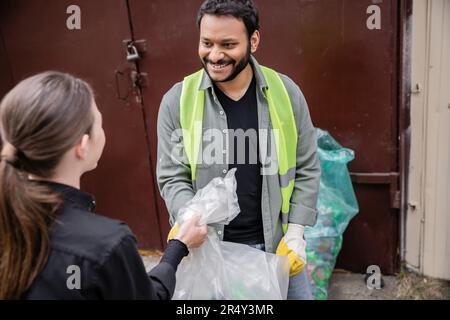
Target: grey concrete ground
[{"x": 351, "y": 286}]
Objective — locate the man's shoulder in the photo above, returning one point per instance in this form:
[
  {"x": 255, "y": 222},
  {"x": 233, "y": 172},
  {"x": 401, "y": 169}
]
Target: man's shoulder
[
  {"x": 294, "y": 91},
  {"x": 174, "y": 93},
  {"x": 296, "y": 96},
  {"x": 290, "y": 85},
  {"x": 292, "y": 88},
  {"x": 170, "y": 104}
]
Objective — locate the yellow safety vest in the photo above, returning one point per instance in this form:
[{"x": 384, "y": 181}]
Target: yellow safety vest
[{"x": 192, "y": 103}]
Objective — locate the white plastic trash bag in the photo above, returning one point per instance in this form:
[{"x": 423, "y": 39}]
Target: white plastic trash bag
[{"x": 221, "y": 270}]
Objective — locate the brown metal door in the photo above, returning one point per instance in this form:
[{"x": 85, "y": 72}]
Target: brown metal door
[
  {"x": 349, "y": 77},
  {"x": 347, "y": 73},
  {"x": 36, "y": 38},
  {"x": 171, "y": 36}
]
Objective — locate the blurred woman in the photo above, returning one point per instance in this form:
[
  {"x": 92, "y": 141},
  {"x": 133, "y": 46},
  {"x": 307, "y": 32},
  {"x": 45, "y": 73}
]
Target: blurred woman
[{"x": 52, "y": 245}]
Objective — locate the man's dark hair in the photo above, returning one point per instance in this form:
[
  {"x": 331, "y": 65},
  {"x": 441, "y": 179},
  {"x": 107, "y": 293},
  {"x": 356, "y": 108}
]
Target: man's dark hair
[{"x": 244, "y": 10}]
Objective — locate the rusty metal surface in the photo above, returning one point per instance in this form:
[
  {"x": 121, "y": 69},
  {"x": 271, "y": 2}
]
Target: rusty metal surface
[
  {"x": 122, "y": 183},
  {"x": 370, "y": 239},
  {"x": 170, "y": 30},
  {"x": 404, "y": 103},
  {"x": 6, "y": 81},
  {"x": 348, "y": 74},
  {"x": 346, "y": 71}
]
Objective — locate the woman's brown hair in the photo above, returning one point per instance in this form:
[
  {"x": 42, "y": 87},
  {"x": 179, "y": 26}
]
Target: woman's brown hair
[{"x": 40, "y": 120}]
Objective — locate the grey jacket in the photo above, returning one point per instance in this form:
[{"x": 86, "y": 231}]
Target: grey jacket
[{"x": 174, "y": 174}]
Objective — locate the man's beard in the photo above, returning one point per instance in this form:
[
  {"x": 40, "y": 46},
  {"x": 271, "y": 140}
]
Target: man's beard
[{"x": 241, "y": 65}]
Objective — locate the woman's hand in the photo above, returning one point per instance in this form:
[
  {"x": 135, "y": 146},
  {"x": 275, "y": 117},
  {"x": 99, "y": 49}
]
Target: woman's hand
[{"x": 191, "y": 233}]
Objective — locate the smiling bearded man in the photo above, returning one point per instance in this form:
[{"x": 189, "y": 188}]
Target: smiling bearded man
[{"x": 233, "y": 93}]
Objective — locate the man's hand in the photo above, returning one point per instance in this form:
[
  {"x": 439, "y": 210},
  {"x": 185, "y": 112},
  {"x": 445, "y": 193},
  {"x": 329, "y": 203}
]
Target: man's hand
[
  {"x": 173, "y": 232},
  {"x": 294, "y": 246}
]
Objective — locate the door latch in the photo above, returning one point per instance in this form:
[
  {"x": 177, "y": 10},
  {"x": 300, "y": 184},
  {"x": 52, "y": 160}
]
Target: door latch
[
  {"x": 132, "y": 53},
  {"x": 139, "y": 79},
  {"x": 134, "y": 49}
]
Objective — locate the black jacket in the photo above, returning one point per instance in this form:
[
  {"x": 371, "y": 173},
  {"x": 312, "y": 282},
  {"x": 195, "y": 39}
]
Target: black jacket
[{"x": 102, "y": 254}]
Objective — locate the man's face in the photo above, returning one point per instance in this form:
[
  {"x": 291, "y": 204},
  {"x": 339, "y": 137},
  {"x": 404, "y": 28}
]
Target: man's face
[{"x": 224, "y": 47}]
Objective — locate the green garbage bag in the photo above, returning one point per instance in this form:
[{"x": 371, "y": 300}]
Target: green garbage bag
[{"x": 336, "y": 206}]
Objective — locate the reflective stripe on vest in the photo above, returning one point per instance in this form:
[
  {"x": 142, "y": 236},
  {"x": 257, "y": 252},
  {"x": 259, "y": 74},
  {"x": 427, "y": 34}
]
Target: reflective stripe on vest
[{"x": 192, "y": 103}]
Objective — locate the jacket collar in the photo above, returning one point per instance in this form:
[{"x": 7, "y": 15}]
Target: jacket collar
[
  {"x": 260, "y": 80},
  {"x": 73, "y": 196}
]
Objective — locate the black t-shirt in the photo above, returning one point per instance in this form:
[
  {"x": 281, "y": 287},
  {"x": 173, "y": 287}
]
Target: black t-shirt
[{"x": 247, "y": 227}]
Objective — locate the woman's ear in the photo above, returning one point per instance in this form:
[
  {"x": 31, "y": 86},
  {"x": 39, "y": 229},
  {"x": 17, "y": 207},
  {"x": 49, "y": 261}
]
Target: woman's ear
[{"x": 82, "y": 148}]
